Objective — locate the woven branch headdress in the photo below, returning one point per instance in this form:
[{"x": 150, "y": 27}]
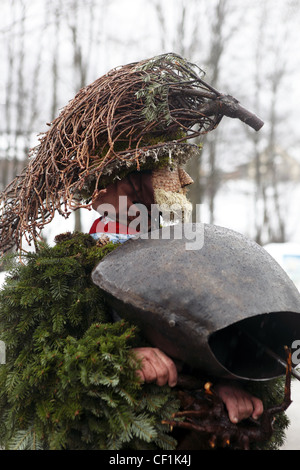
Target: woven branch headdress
[{"x": 129, "y": 119}]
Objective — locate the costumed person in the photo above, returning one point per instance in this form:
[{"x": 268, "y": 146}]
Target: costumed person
[
  {"x": 165, "y": 188},
  {"x": 125, "y": 135}
]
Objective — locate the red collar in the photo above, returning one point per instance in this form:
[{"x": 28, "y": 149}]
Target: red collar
[{"x": 103, "y": 225}]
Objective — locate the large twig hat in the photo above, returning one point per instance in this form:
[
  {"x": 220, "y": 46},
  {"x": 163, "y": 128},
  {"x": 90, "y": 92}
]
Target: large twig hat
[{"x": 133, "y": 118}]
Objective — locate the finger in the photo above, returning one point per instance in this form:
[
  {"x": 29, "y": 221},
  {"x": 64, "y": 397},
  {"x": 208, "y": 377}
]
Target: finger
[
  {"x": 231, "y": 404},
  {"x": 155, "y": 359},
  {"x": 258, "y": 408},
  {"x": 245, "y": 407},
  {"x": 227, "y": 395},
  {"x": 170, "y": 372},
  {"x": 147, "y": 372}
]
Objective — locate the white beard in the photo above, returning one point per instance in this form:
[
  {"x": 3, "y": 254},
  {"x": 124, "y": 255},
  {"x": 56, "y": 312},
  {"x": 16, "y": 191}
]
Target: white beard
[{"x": 174, "y": 207}]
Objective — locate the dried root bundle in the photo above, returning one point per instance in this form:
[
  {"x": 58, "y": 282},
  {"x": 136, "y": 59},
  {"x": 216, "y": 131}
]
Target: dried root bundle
[
  {"x": 128, "y": 119},
  {"x": 204, "y": 415}
]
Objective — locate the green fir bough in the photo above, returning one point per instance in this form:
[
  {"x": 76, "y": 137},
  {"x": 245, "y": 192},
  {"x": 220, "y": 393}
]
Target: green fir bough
[{"x": 69, "y": 381}]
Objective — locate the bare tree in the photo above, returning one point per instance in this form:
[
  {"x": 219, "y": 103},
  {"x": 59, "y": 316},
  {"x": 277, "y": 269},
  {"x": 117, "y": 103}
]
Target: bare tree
[
  {"x": 202, "y": 27},
  {"x": 222, "y": 32},
  {"x": 15, "y": 92},
  {"x": 269, "y": 222},
  {"x": 185, "y": 38},
  {"x": 82, "y": 52},
  {"x": 7, "y": 128},
  {"x": 217, "y": 46},
  {"x": 54, "y": 10}
]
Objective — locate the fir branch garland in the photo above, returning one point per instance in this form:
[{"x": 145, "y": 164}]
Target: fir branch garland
[{"x": 69, "y": 381}]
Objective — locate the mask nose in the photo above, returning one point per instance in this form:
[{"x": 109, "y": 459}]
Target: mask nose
[{"x": 184, "y": 178}]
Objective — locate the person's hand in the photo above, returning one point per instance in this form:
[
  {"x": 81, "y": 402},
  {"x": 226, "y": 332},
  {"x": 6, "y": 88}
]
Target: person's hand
[
  {"x": 156, "y": 367},
  {"x": 239, "y": 403}
]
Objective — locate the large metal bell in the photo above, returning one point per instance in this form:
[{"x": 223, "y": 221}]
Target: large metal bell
[{"x": 210, "y": 306}]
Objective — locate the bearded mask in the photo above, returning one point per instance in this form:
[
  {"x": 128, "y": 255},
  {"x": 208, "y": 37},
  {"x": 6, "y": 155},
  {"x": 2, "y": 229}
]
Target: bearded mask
[{"x": 165, "y": 188}]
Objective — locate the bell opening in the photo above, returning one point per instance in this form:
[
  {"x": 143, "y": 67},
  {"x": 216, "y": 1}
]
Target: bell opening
[{"x": 243, "y": 348}]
